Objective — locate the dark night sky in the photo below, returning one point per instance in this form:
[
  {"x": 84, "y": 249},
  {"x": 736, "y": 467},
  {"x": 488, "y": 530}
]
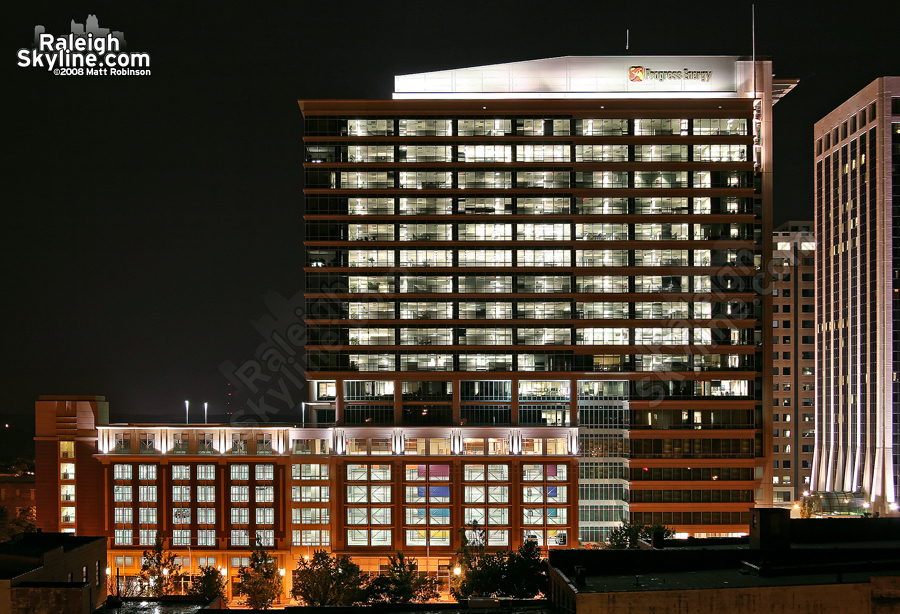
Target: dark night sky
[{"x": 145, "y": 218}]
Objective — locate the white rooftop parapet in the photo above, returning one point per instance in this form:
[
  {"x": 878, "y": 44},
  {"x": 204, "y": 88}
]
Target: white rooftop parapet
[{"x": 580, "y": 77}]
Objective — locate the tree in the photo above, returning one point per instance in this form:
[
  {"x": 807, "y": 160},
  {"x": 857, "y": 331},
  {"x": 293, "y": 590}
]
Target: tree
[
  {"x": 260, "y": 581},
  {"x": 527, "y": 572},
  {"x": 22, "y": 522},
  {"x": 325, "y": 580},
  {"x": 809, "y": 505},
  {"x": 401, "y": 582},
  {"x": 520, "y": 575},
  {"x": 626, "y": 537},
  {"x": 159, "y": 572},
  {"x": 209, "y": 583}
]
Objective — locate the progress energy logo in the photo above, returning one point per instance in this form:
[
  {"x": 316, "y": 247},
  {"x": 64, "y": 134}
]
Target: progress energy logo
[
  {"x": 645, "y": 74},
  {"x": 88, "y": 49}
]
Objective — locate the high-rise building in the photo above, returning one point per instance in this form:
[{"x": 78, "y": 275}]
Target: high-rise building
[
  {"x": 534, "y": 299},
  {"x": 793, "y": 377},
  {"x": 857, "y": 154},
  {"x": 574, "y": 241}
]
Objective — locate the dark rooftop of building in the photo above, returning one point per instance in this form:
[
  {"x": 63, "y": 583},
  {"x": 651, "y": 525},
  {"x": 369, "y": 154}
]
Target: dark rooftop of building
[
  {"x": 37, "y": 543},
  {"x": 25, "y": 551},
  {"x": 798, "y": 552}
]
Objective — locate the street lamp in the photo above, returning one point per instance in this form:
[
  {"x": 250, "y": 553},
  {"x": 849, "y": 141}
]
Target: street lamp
[{"x": 457, "y": 571}]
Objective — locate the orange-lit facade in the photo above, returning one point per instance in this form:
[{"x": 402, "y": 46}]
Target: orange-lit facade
[
  {"x": 483, "y": 252},
  {"x": 210, "y": 491}
]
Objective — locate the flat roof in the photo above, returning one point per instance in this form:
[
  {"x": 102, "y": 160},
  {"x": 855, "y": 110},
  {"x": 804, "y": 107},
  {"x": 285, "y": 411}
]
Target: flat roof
[
  {"x": 665, "y": 76},
  {"x": 721, "y": 578},
  {"x": 39, "y": 542}
]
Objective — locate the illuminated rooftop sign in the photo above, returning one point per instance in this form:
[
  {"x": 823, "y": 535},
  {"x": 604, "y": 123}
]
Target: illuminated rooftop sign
[{"x": 581, "y": 77}]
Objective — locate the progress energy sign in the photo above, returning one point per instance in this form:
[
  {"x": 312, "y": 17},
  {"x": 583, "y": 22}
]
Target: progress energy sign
[{"x": 579, "y": 76}]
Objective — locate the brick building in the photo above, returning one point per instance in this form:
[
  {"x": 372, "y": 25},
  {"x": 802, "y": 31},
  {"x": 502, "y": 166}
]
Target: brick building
[
  {"x": 793, "y": 399},
  {"x": 211, "y": 490}
]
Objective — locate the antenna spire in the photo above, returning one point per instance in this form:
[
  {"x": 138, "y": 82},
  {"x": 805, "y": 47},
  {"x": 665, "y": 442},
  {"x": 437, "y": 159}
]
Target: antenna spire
[{"x": 753, "y": 36}]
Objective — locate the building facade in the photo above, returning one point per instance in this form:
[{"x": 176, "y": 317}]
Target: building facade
[
  {"x": 211, "y": 491},
  {"x": 573, "y": 242},
  {"x": 857, "y": 154},
  {"x": 16, "y": 494},
  {"x": 793, "y": 377},
  {"x": 52, "y": 572}
]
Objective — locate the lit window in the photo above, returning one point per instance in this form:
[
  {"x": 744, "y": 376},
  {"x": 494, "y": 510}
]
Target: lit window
[
  {"x": 124, "y": 537},
  {"x": 498, "y": 515},
  {"x": 265, "y": 537},
  {"x": 474, "y": 494},
  {"x": 181, "y": 538},
  {"x": 240, "y": 537}
]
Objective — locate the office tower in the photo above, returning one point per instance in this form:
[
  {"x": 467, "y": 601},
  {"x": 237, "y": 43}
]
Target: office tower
[
  {"x": 857, "y": 152},
  {"x": 793, "y": 319},
  {"x": 569, "y": 242}
]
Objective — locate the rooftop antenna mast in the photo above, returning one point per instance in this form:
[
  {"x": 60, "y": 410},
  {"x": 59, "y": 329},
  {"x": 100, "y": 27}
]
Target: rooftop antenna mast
[{"x": 753, "y": 37}]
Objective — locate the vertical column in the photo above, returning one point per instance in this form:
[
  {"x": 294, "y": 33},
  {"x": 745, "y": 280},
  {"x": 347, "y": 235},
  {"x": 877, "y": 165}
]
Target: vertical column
[
  {"x": 398, "y": 402},
  {"x": 514, "y": 401},
  {"x": 339, "y": 402},
  {"x": 457, "y": 385}
]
